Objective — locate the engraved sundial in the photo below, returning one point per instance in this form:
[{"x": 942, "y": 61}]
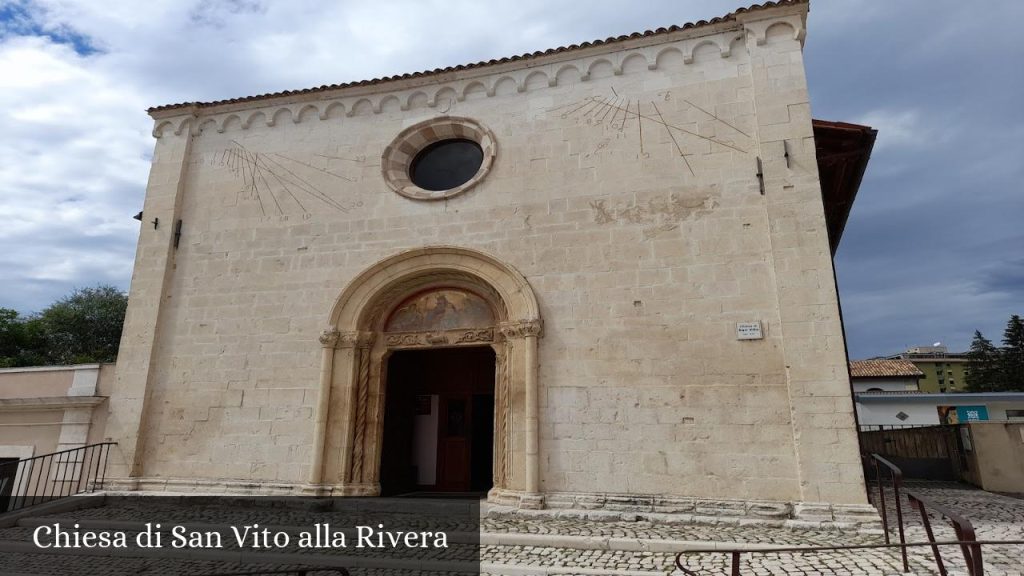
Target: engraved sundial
[
  {"x": 282, "y": 185},
  {"x": 639, "y": 119}
]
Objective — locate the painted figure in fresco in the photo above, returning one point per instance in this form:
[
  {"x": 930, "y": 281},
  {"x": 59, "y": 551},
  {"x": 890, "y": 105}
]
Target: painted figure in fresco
[{"x": 445, "y": 309}]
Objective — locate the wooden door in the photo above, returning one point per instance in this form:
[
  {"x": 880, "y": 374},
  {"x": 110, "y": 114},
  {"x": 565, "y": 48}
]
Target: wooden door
[{"x": 453, "y": 444}]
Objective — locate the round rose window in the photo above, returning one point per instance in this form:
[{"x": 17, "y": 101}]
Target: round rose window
[
  {"x": 446, "y": 164},
  {"x": 438, "y": 158}
]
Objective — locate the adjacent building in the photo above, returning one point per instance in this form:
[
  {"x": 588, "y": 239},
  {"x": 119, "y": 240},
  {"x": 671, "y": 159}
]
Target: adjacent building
[
  {"x": 44, "y": 410},
  {"x": 884, "y": 376},
  {"x": 944, "y": 371},
  {"x": 877, "y": 410}
]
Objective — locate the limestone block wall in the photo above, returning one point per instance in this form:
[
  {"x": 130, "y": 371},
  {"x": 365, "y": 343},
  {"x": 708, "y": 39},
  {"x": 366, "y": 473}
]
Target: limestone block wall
[{"x": 642, "y": 188}]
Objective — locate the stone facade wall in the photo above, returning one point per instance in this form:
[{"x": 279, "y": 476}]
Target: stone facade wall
[{"x": 654, "y": 192}]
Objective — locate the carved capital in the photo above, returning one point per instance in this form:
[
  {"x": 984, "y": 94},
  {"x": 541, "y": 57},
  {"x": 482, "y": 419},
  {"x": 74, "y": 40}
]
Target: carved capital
[
  {"x": 355, "y": 339},
  {"x": 521, "y": 329},
  {"x": 329, "y": 338}
]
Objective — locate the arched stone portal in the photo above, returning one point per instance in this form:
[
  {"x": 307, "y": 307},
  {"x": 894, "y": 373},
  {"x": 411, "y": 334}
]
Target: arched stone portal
[{"x": 357, "y": 343}]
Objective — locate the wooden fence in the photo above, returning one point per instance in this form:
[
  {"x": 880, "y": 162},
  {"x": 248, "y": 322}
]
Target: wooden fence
[{"x": 928, "y": 452}]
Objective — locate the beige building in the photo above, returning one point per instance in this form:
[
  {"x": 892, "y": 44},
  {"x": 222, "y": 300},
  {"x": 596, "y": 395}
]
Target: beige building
[
  {"x": 46, "y": 410},
  {"x": 597, "y": 276}
]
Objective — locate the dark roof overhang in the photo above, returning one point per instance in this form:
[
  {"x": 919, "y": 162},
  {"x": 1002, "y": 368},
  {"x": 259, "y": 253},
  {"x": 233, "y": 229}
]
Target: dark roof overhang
[{"x": 843, "y": 151}]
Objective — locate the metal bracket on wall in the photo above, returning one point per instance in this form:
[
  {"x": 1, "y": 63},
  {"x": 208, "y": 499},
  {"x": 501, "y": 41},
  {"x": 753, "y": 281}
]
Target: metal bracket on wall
[
  {"x": 177, "y": 233},
  {"x": 760, "y": 175}
]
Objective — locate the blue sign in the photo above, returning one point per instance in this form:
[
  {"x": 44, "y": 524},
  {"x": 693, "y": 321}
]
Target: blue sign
[{"x": 971, "y": 413}]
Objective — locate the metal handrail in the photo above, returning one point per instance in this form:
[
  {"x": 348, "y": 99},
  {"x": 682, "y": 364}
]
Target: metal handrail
[
  {"x": 965, "y": 534},
  {"x": 736, "y": 552},
  {"x": 34, "y": 480},
  {"x": 896, "y": 478},
  {"x": 290, "y": 571}
]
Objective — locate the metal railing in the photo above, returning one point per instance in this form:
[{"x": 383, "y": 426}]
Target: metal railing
[
  {"x": 49, "y": 477},
  {"x": 306, "y": 571},
  {"x": 735, "y": 553},
  {"x": 966, "y": 537},
  {"x": 969, "y": 545},
  {"x": 896, "y": 481}
]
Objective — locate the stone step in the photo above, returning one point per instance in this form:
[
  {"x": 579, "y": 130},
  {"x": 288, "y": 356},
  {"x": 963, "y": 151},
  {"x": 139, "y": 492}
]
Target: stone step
[
  {"x": 606, "y": 530},
  {"x": 536, "y": 534},
  {"x": 511, "y": 545},
  {"x": 17, "y": 550},
  {"x": 506, "y": 561}
]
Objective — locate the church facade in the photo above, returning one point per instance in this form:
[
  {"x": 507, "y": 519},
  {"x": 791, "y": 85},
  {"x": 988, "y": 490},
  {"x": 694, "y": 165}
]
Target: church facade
[{"x": 596, "y": 277}]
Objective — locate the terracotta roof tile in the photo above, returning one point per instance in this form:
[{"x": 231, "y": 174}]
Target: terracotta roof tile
[
  {"x": 883, "y": 368},
  {"x": 611, "y": 40}
]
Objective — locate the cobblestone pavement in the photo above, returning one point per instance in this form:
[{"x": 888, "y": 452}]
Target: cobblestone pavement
[
  {"x": 560, "y": 546},
  {"x": 994, "y": 517},
  {"x": 747, "y": 534}
]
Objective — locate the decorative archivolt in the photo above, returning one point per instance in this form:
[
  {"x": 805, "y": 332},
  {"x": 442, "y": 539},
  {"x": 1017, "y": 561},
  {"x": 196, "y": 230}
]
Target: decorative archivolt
[
  {"x": 423, "y": 298},
  {"x": 673, "y": 56}
]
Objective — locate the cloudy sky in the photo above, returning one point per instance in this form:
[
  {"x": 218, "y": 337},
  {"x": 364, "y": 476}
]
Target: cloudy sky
[{"x": 933, "y": 250}]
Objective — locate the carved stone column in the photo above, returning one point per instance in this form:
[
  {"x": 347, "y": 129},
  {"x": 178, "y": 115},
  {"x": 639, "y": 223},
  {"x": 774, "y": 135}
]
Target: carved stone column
[
  {"x": 522, "y": 337},
  {"x": 328, "y": 342},
  {"x": 361, "y": 342},
  {"x": 502, "y": 416}
]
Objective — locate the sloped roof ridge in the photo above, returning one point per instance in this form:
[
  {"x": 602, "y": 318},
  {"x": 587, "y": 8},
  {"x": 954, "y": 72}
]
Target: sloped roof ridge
[
  {"x": 881, "y": 368},
  {"x": 530, "y": 55}
]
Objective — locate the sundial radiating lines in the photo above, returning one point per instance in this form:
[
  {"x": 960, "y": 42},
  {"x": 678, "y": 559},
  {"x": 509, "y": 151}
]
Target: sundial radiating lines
[
  {"x": 673, "y": 137},
  {"x": 308, "y": 165},
  {"x": 716, "y": 118},
  {"x": 620, "y": 112},
  {"x": 271, "y": 177},
  {"x": 357, "y": 159}
]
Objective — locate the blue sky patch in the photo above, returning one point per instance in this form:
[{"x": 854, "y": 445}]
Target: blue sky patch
[{"x": 23, "y": 19}]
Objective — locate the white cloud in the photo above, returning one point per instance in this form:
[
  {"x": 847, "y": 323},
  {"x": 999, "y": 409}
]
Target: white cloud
[
  {"x": 71, "y": 171},
  {"x": 899, "y": 128},
  {"x": 75, "y": 137},
  {"x": 76, "y": 77}
]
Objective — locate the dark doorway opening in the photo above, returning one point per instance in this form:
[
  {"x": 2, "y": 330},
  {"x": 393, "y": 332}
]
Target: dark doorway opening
[
  {"x": 438, "y": 422},
  {"x": 8, "y": 474}
]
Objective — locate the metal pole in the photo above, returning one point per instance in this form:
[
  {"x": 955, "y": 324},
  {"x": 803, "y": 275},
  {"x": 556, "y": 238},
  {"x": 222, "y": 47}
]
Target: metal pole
[
  {"x": 97, "y": 454},
  {"x": 48, "y": 487},
  {"x": 897, "y": 481},
  {"x": 106, "y": 458},
  {"x": 33, "y": 487},
  {"x": 881, "y": 499},
  {"x": 83, "y": 470},
  {"x": 931, "y": 537}
]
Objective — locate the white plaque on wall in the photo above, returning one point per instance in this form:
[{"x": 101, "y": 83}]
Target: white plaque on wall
[{"x": 749, "y": 330}]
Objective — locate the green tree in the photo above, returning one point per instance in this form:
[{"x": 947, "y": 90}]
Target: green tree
[
  {"x": 19, "y": 340},
  {"x": 82, "y": 327},
  {"x": 983, "y": 365},
  {"x": 11, "y": 337},
  {"x": 1012, "y": 355}
]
